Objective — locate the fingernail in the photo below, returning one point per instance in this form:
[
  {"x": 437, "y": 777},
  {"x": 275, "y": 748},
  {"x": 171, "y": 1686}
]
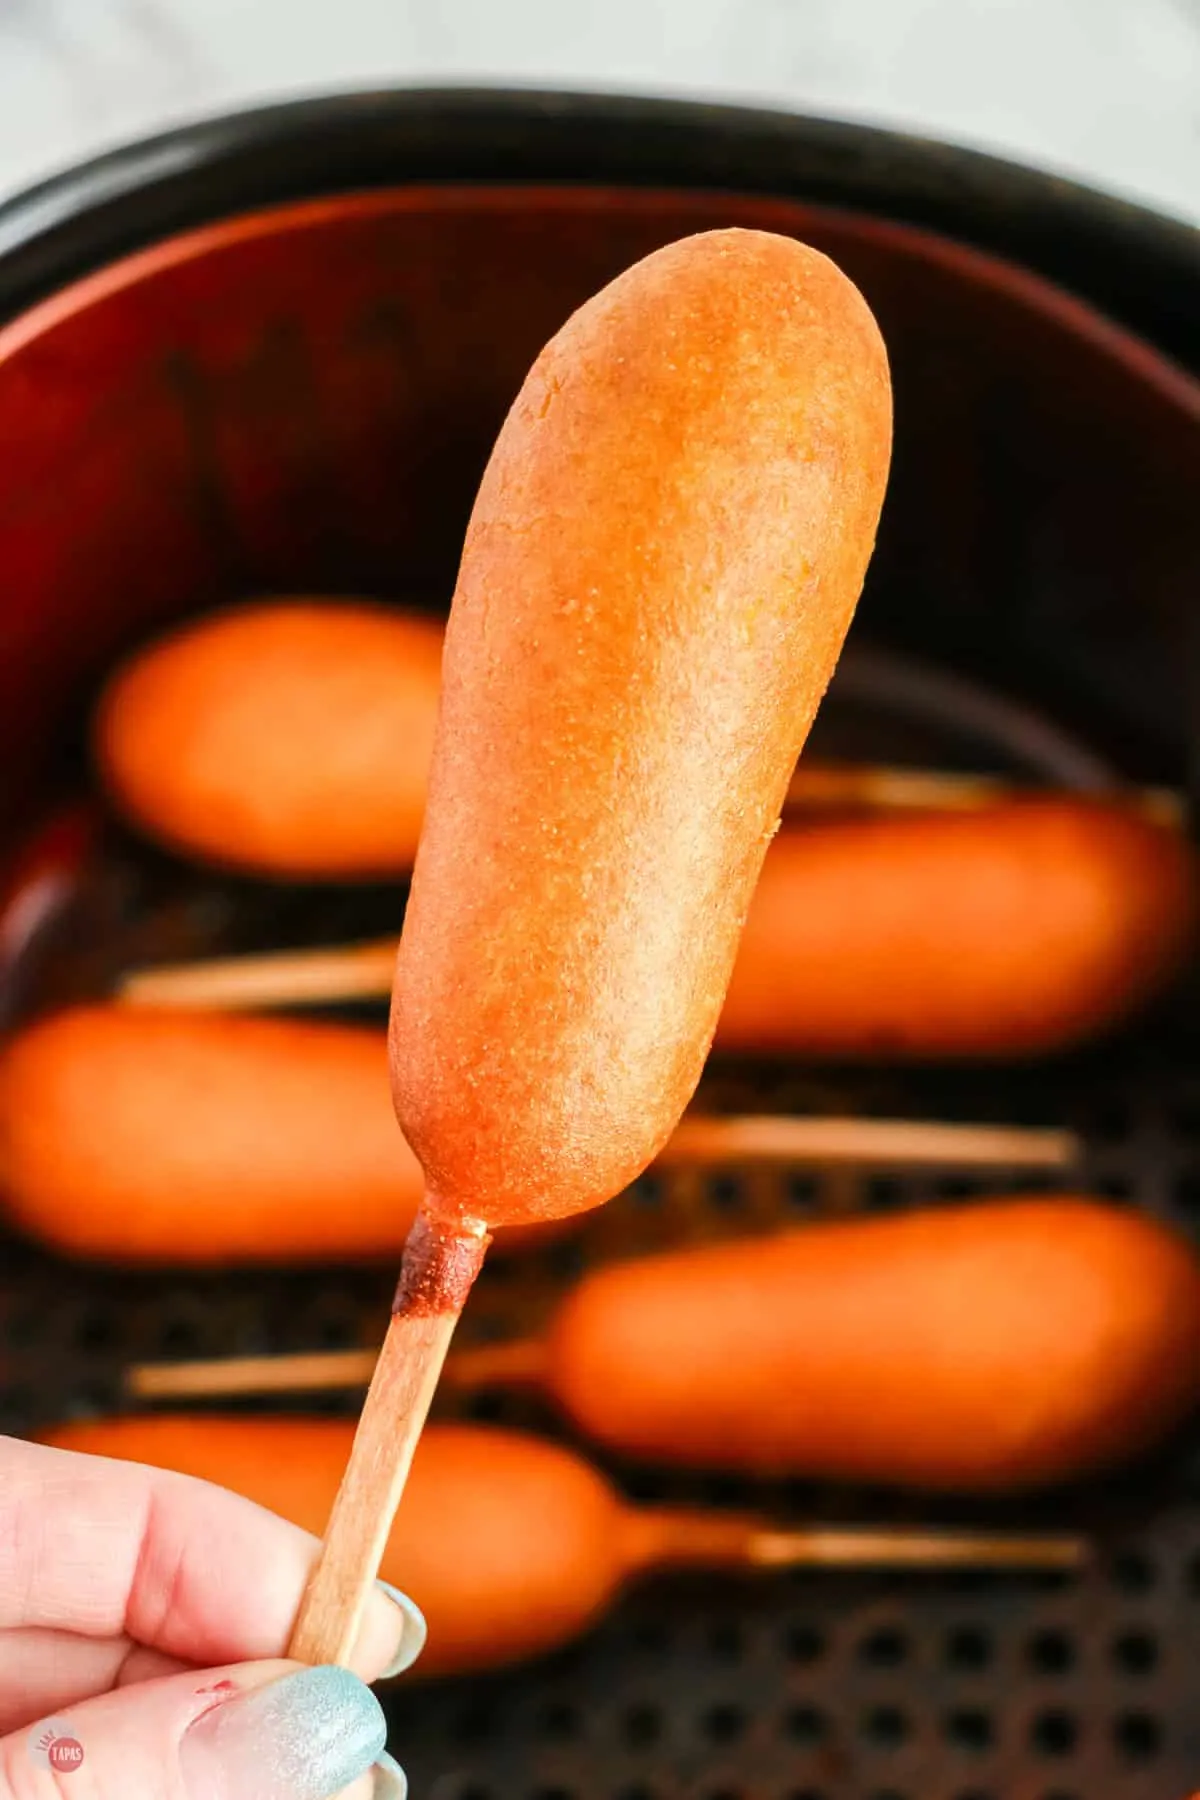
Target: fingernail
[
  {"x": 413, "y": 1631},
  {"x": 305, "y": 1737},
  {"x": 391, "y": 1783}
]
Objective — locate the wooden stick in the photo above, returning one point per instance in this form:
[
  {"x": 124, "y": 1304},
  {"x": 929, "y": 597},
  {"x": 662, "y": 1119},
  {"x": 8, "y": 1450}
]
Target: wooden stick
[
  {"x": 866, "y": 1143},
  {"x": 685, "y": 1538},
  {"x": 862, "y": 1143},
  {"x": 438, "y": 1270},
  {"x": 519, "y": 1362},
  {"x": 212, "y": 1378},
  {"x": 891, "y": 1549},
  {"x": 839, "y": 787},
  {"x": 278, "y": 978},
  {"x": 858, "y": 787}
]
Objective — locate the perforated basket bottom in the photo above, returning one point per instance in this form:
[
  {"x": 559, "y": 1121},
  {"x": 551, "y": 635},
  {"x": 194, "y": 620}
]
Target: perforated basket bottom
[{"x": 784, "y": 1686}]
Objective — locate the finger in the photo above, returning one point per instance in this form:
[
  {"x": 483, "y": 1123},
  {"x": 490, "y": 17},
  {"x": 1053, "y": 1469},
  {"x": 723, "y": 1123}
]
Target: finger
[
  {"x": 49, "y": 1670},
  {"x": 253, "y": 1732},
  {"x": 110, "y": 1549},
  {"x": 43, "y": 1671}
]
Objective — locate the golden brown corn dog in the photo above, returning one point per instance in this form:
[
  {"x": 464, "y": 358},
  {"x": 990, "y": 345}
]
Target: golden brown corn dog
[
  {"x": 290, "y": 739},
  {"x": 992, "y": 1347},
  {"x": 660, "y": 567},
  {"x": 1005, "y": 1344},
  {"x": 198, "y": 1138},
  {"x": 662, "y": 562},
  {"x": 512, "y": 1546},
  {"x": 1014, "y": 931}
]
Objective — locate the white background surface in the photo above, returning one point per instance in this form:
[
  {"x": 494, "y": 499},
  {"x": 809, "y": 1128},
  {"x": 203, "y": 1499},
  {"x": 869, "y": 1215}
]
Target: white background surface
[{"x": 1105, "y": 90}]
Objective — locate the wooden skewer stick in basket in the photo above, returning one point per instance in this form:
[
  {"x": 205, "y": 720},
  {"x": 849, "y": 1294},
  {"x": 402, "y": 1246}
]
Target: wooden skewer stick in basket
[
  {"x": 683, "y": 1538},
  {"x": 887, "y": 1548},
  {"x": 698, "y": 1141},
  {"x": 861, "y": 787},
  {"x": 276, "y": 978}
]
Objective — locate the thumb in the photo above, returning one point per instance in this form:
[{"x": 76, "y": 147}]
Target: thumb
[{"x": 260, "y": 1731}]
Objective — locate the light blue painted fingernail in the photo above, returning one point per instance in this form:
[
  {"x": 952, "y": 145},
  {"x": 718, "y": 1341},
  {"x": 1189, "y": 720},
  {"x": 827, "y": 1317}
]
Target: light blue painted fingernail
[
  {"x": 391, "y": 1783},
  {"x": 305, "y": 1737},
  {"x": 412, "y": 1635}
]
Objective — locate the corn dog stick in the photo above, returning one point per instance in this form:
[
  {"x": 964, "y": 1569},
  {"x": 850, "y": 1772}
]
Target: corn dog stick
[
  {"x": 828, "y": 787},
  {"x": 901, "y": 1549},
  {"x": 866, "y": 1143},
  {"x": 435, "y": 1279},
  {"x": 276, "y": 978}
]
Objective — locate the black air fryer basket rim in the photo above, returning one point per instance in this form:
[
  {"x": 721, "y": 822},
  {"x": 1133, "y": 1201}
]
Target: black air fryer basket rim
[{"x": 1141, "y": 268}]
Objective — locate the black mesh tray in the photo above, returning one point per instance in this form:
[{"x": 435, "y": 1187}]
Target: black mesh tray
[{"x": 801, "y": 1686}]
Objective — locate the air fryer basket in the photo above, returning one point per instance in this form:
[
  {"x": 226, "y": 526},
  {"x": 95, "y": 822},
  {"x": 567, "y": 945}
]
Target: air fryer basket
[{"x": 302, "y": 400}]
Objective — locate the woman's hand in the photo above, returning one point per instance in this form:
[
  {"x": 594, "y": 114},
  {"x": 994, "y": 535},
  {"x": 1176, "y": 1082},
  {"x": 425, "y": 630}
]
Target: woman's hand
[{"x": 143, "y": 1618}]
